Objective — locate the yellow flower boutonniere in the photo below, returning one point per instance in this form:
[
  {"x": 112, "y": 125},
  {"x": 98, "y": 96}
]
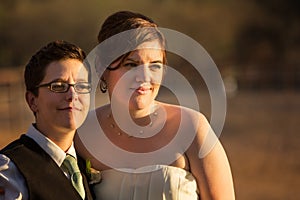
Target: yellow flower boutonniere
[{"x": 94, "y": 176}]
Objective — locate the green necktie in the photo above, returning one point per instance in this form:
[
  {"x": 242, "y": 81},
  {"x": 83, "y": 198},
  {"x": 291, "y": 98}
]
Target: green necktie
[{"x": 70, "y": 164}]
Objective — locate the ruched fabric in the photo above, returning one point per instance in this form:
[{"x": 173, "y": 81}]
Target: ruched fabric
[{"x": 147, "y": 183}]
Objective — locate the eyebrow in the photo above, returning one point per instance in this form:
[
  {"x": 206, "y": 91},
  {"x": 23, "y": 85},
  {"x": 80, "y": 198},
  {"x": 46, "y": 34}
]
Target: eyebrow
[
  {"x": 157, "y": 61},
  {"x": 63, "y": 80},
  {"x": 132, "y": 60},
  {"x": 59, "y": 79}
]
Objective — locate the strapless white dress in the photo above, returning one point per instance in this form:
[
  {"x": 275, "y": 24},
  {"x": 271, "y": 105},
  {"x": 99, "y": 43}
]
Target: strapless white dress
[{"x": 157, "y": 182}]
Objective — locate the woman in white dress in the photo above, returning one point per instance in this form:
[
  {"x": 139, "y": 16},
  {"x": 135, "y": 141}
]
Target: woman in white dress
[{"x": 159, "y": 144}]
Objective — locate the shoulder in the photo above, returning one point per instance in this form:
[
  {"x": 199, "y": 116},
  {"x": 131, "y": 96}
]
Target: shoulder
[
  {"x": 177, "y": 108},
  {"x": 186, "y": 114},
  {"x": 190, "y": 122},
  {"x": 13, "y": 145}
]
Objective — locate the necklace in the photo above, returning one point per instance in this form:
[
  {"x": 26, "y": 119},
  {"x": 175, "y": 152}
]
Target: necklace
[
  {"x": 129, "y": 127},
  {"x": 119, "y": 131}
]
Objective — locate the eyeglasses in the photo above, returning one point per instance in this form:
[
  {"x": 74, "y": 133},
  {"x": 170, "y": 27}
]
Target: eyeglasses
[{"x": 61, "y": 87}]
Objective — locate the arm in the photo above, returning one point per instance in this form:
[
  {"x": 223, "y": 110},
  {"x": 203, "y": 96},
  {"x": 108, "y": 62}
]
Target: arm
[
  {"x": 12, "y": 183},
  {"x": 210, "y": 165}
]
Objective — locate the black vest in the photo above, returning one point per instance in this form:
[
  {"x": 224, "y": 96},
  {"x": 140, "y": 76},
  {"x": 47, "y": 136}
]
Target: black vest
[{"x": 44, "y": 178}]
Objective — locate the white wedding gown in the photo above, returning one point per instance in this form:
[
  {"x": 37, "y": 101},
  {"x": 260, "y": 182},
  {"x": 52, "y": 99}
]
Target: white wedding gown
[{"x": 157, "y": 182}]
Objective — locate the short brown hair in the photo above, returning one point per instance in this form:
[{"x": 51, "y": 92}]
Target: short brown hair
[{"x": 54, "y": 51}]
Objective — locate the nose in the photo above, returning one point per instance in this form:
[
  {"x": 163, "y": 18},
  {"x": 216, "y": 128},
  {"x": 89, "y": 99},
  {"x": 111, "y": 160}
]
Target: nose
[
  {"x": 143, "y": 73},
  {"x": 71, "y": 94}
]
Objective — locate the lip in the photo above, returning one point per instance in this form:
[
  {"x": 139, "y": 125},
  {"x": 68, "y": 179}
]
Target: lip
[
  {"x": 70, "y": 109},
  {"x": 143, "y": 90}
]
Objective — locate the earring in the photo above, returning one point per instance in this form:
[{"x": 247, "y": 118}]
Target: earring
[{"x": 103, "y": 86}]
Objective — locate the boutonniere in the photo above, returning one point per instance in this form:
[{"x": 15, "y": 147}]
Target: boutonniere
[{"x": 94, "y": 176}]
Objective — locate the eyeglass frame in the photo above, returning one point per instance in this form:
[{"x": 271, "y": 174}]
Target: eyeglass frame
[{"x": 49, "y": 85}]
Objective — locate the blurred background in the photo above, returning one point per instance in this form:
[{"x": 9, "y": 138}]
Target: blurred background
[{"x": 255, "y": 44}]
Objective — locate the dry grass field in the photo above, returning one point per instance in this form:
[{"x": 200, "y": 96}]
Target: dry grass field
[{"x": 261, "y": 138}]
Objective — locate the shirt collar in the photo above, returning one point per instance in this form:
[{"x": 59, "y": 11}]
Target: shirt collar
[{"x": 54, "y": 151}]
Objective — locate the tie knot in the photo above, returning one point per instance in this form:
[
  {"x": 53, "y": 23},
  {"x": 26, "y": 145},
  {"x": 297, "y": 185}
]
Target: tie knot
[{"x": 70, "y": 164}]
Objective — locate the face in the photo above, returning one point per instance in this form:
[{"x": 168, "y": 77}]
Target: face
[
  {"x": 61, "y": 112},
  {"x": 138, "y": 78}
]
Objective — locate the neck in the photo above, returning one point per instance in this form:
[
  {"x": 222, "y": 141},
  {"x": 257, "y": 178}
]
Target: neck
[
  {"x": 63, "y": 138},
  {"x": 141, "y": 113},
  {"x": 136, "y": 114},
  {"x": 141, "y": 117},
  {"x": 145, "y": 122}
]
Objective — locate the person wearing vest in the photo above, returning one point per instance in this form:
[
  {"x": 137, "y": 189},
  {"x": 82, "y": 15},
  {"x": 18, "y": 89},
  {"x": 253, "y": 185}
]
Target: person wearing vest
[{"x": 42, "y": 164}]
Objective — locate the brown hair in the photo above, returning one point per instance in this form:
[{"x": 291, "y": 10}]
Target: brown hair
[
  {"x": 54, "y": 51},
  {"x": 125, "y": 20},
  {"x": 122, "y": 21}
]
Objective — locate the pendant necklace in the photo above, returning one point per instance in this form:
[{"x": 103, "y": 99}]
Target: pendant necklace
[{"x": 153, "y": 127}]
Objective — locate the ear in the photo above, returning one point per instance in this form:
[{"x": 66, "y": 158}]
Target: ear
[{"x": 31, "y": 100}]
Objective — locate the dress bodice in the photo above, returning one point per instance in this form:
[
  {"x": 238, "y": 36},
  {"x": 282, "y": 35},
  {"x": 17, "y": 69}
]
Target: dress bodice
[{"x": 157, "y": 182}]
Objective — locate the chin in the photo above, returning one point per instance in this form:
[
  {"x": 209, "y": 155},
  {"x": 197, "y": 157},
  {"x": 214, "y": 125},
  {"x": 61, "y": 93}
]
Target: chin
[
  {"x": 71, "y": 125},
  {"x": 78, "y": 123},
  {"x": 140, "y": 102},
  {"x": 139, "y": 105},
  {"x": 77, "y": 120}
]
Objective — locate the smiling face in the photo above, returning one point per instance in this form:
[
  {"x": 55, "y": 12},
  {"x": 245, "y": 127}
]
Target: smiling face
[
  {"x": 138, "y": 77},
  {"x": 60, "y": 112}
]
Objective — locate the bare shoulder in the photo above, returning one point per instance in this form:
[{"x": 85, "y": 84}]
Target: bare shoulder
[
  {"x": 177, "y": 109},
  {"x": 206, "y": 158},
  {"x": 191, "y": 123},
  {"x": 188, "y": 116}
]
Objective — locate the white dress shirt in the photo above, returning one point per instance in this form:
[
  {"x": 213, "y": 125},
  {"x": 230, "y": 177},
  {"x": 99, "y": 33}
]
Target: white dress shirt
[{"x": 13, "y": 181}]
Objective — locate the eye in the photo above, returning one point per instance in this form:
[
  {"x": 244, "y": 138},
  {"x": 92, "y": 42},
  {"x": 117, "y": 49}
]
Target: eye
[
  {"x": 130, "y": 64},
  {"x": 59, "y": 86},
  {"x": 155, "y": 67},
  {"x": 83, "y": 87}
]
